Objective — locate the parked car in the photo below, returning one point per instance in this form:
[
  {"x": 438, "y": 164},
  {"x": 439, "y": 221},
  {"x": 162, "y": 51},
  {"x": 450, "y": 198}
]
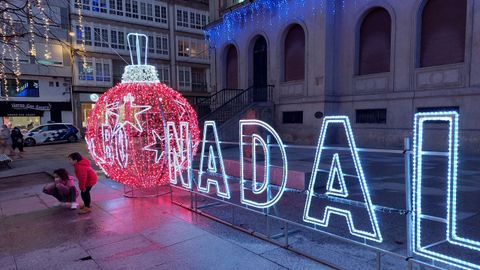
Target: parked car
[{"x": 51, "y": 133}]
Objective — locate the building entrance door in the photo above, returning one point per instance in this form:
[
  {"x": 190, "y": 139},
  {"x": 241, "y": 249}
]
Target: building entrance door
[{"x": 260, "y": 70}]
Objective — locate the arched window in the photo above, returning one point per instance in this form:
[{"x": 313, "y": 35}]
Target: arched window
[
  {"x": 232, "y": 67},
  {"x": 375, "y": 42},
  {"x": 443, "y": 32},
  {"x": 294, "y": 58}
]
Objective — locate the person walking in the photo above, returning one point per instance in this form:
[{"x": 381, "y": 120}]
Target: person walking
[
  {"x": 5, "y": 141},
  {"x": 87, "y": 178},
  {"x": 17, "y": 140}
]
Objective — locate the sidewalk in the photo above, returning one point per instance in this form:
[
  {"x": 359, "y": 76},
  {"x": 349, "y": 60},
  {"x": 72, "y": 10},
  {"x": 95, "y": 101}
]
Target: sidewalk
[{"x": 120, "y": 233}]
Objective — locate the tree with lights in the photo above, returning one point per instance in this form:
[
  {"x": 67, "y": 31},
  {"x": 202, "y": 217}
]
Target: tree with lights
[{"x": 23, "y": 23}]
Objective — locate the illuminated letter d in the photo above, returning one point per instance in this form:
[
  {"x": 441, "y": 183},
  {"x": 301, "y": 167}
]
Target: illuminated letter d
[{"x": 260, "y": 194}]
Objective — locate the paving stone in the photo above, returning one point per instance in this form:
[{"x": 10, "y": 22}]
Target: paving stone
[
  {"x": 22, "y": 206},
  {"x": 221, "y": 255},
  {"x": 51, "y": 258},
  {"x": 133, "y": 253},
  {"x": 7, "y": 262},
  {"x": 291, "y": 260},
  {"x": 237, "y": 237},
  {"x": 173, "y": 232}
]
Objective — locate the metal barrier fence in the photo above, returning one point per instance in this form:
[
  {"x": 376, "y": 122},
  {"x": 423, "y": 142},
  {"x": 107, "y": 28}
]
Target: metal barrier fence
[{"x": 193, "y": 195}]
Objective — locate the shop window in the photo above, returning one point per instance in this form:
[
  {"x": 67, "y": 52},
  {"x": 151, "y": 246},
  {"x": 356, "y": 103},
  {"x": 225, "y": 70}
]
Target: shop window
[
  {"x": 443, "y": 32},
  {"x": 294, "y": 117},
  {"x": 85, "y": 109},
  {"x": 375, "y": 43},
  {"x": 294, "y": 58},
  {"x": 371, "y": 116},
  {"x": 25, "y": 123}
]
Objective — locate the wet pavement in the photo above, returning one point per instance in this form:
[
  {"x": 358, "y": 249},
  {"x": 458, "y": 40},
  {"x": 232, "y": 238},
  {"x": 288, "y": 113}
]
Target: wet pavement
[
  {"x": 120, "y": 233},
  {"x": 126, "y": 233}
]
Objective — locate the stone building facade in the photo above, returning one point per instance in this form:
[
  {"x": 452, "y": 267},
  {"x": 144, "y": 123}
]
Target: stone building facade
[{"x": 377, "y": 61}]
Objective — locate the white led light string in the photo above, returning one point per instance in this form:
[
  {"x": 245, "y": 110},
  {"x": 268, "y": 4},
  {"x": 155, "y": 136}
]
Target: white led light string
[
  {"x": 452, "y": 118},
  {"x": 375, "y": 235}
]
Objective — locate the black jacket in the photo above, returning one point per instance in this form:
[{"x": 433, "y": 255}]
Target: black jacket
[{"x": 16, "y": 135}]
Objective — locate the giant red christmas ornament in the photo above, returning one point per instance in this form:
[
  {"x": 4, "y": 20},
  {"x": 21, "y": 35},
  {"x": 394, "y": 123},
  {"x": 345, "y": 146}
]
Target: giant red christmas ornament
[{"x": 134, "y": 123}]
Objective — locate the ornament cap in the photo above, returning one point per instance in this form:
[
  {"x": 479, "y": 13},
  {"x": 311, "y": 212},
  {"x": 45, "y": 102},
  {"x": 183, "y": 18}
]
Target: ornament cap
[{"x": 139, "y": 71}]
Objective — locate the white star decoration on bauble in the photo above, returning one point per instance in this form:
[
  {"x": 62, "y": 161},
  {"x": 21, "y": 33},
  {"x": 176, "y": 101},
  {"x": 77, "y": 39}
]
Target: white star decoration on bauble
[{"x": 125, "y": 112}]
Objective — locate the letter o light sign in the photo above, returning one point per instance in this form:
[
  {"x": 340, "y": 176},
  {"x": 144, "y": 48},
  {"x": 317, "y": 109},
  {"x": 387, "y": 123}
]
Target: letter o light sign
[{"x": 211, "y": 163}]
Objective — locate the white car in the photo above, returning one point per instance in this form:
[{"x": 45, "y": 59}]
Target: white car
[{"x": 50, "y": 133}]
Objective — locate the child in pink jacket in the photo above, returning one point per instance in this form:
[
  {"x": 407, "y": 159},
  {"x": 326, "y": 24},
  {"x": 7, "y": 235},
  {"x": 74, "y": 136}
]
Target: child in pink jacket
[{"x": 63, "y": 189}]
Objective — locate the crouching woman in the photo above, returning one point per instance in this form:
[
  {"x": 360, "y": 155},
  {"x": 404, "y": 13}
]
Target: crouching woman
[{"x": 63, "y": 189}]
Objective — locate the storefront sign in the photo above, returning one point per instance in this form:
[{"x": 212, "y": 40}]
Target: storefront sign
[
  {"x": 29, "y": 106},
  {"x": 212, "y": 176}
]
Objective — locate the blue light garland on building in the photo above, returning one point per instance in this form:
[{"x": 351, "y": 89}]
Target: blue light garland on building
[{"x": 267, "y": 11}]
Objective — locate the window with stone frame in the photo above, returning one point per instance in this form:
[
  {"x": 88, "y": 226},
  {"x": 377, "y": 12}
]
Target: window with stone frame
[
  {"x": 294, "y": 54},
  {"x": 375, "y": 42},
  {"x": 443, "y": 32}
]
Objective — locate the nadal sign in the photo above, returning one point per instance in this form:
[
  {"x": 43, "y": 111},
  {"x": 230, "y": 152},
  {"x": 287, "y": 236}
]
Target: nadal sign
[{"x": 212, "y": 178}]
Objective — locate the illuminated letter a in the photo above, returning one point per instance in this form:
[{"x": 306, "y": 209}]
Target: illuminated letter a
[
  {"x": 211, "y": 170},
  {"x": 340, "y": 194}
]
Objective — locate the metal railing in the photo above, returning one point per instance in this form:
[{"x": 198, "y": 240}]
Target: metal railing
[
  {"x": 199, "y": 87},
  {"x": 195, "y": 205},
  {"x": 236, "y": 104},
  {"x": 205, "y": 105}
]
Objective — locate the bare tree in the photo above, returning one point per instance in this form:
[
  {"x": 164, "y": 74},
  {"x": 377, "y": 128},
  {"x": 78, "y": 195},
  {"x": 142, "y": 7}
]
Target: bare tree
[
  {"x": 23, "y": 25},
  {"x": 25, "y": 21}
]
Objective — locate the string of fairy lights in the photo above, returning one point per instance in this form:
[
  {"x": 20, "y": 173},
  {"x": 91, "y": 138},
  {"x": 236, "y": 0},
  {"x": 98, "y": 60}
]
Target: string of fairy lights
[
  {"x": 46, "y": 24},
  {"x": 3, "y": 52},
  {"x": 31, "y": 33},
  {"x": 10, "y": 50},
  {"x": 82, "y": 31},
  {"x": 266, "y": 13}
]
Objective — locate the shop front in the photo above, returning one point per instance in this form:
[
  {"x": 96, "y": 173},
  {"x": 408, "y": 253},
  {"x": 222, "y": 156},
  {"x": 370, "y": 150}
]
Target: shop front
[
  {"x": 87, "y": 102},
  {"x": 27, "y": 115}
]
